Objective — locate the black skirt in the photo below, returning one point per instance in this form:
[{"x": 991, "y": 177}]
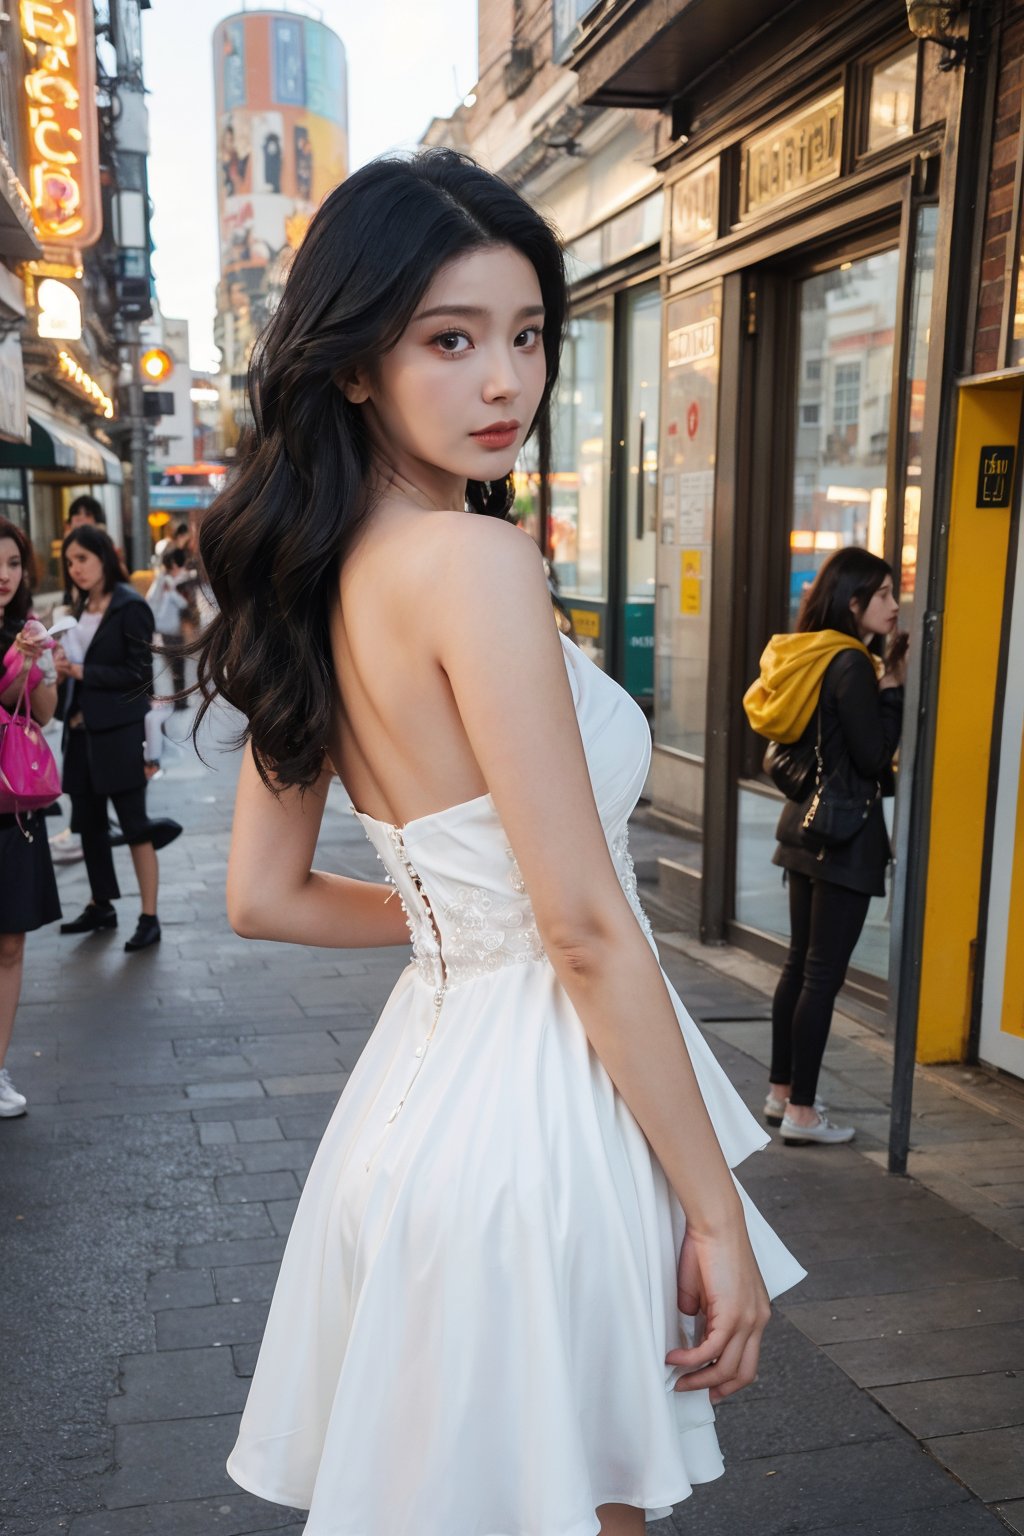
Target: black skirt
[{"x": 28, "y": 886}]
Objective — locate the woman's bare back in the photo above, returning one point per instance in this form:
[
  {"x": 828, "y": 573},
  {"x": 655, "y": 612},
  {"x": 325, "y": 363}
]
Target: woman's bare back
[{"x": 398, "y": 742}]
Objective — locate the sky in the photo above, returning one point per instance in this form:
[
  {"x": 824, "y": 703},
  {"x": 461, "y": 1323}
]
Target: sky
[{"x": 408, "y": 61}]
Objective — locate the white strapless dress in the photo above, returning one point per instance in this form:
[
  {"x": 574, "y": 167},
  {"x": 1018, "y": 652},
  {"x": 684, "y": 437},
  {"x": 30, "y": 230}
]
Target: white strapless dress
[{"x": 469, "y": 1330}]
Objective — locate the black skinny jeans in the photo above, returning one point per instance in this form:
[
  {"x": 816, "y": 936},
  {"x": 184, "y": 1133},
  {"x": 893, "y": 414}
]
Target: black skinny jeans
[{"x": 825, "y": 924}]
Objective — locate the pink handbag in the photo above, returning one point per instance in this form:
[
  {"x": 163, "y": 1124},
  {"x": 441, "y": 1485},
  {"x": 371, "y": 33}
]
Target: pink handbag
[{"x": 29, "y": 777}]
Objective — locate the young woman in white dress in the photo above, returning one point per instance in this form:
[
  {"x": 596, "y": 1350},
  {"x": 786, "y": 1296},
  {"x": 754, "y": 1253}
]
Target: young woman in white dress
[{"x": 492, "y": 1318}]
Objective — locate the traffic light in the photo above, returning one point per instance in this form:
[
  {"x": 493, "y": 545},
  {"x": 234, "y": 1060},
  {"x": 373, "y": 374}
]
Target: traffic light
[{"x": 156, "y": 365}]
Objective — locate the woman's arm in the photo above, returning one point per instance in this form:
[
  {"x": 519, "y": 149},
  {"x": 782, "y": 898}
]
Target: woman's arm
[
  {"x": 870, "y": 717},
  {"x": 488, "y": 615},
  {"x": 274, "y": 893}
]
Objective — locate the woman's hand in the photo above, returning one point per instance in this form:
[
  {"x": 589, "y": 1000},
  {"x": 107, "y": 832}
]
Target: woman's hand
[
  {"x": 895, "y": 674},
  {"x": 29, "y": 643},
  {"x": 718, "y": 1276},
  {"x": 66, "y": 668}
]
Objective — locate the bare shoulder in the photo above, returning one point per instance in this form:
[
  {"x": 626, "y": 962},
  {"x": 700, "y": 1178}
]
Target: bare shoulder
[{"x": 480, "y": 565}]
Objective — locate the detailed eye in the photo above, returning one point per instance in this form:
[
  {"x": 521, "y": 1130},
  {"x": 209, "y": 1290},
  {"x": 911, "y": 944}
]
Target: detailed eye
[
  {"x": 448, "y": 341},
  {"x": 530, "y": 337}
]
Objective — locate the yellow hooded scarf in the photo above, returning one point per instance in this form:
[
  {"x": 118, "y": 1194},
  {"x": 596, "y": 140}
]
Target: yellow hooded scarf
[{"x": 780, "y": 704}]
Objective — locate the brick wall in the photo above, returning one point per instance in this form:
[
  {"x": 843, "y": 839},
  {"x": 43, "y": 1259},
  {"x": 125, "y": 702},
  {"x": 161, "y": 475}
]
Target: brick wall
[
  {"x": 996, "y": 253},
  {"x": 502, "y": 24}
]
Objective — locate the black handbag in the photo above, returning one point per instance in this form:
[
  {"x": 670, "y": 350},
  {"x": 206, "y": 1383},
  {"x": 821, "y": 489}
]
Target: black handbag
[
  {"x": 792, "y": 767},
  {"x": 832, "y": 814}
]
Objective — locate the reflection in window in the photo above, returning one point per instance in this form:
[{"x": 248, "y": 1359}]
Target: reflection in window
[
  {"x": 846, "y": 329},
  {"x": 893, "y": 92},
  {"x": 581, "y": 458},
  {"x": 687, "y": 494}
]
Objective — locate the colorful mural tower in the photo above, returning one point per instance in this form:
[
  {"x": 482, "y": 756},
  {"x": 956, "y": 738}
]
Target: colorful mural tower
[{"x": 282, "y": 143}]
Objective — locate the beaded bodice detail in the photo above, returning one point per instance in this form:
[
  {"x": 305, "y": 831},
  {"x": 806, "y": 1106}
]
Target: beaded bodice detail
[
  {"x": 464, "y": 896},
  {"x": 473, "y": 930}
]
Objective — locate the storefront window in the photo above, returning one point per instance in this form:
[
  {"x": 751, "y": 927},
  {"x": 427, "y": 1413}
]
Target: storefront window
[
  {"x": 893, "y": 92},
  {"x": 581, "y": 462},
  {"x": 641, "y": 433},
  {"x": 847, "y": 320},
  {"x": 683, "y": 564}
]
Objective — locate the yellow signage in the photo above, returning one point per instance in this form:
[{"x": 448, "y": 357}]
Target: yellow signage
[
  {"x": 586, "y": 622},
  {"x": 691, "y": 573},
  {"x": 60, "y": 86}
]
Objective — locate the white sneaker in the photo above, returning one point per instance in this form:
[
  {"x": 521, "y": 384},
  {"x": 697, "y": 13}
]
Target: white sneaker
[
  {"x": 775, "y": 1108},
  {"x": 66, "y": 847},
  {"x": 11, "y": 1101},
  {"x": 823, "y": 1132}
]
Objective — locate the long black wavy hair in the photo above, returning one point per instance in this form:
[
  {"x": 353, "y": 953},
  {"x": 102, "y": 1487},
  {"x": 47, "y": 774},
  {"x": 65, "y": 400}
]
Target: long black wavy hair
[
  {"x": 273, "y": 542},
  {"x": 850, "y": 575}
]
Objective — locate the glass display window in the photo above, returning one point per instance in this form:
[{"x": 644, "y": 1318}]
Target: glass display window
[{"x": 688, "y": 437}]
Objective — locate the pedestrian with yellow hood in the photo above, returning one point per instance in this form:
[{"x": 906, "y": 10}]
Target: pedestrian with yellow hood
[{"x": 832, "y": 693}]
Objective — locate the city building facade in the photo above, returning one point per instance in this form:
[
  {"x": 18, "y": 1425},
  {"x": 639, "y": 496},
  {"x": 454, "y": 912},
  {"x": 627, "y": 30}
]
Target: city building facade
[{"x": 783, "y": 277}]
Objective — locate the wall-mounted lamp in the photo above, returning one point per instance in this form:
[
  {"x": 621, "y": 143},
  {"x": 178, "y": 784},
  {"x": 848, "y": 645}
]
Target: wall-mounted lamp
[{"x": 934, "y": 20}]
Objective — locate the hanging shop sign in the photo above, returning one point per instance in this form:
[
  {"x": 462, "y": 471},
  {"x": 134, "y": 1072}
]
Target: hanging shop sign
[
  {"x": 793, "y": 156},
  {"x": 693, "y": 220},
  {"x": 60, "y": 87}
]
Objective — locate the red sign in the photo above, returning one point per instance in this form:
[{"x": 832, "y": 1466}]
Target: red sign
[{"x": 692, "y": 419}]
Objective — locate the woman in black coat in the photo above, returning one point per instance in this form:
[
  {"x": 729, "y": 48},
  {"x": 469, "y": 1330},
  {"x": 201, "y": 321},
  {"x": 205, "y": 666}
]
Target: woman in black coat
[
  {"x": 104, "y": 737},
  {"x": 845, "y": 621}
]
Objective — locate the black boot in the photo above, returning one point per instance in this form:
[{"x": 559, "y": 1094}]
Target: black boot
[
  {"x": 147, "y": 933},
  {"x": 98, "y": 914}
]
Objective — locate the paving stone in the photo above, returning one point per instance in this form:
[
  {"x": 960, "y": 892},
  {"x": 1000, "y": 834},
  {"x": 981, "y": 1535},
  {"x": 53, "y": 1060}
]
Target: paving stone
[
  {"x": 306, "y": 1126},
  {"x": 179, "y": 1288},
  {"x": 282, "y": 1213},
  {"x": 1013, "y": 1514},
  {"x": 217, "y": 1133},
  {"x": 949, "y": 1306},
  {"x": 312, "y": 1082},
  {"x": 812, "y": 1491},
  {"x": 918, "y": 1357},
  {"x": 903, "y": 1272},
  {"x": 242, "y": 1188},
  {"x": 954, "y": 1404},
  {"x": 195, "y": 1326},
  {"x": 245, "y": 1089},
  {"x": 959, "y": 1520},
  {"x": 273, "y": 1156},
  {"x": 246, "y": 1282},
  {"x": 151, "y": 1459},
  {"x": 245, "y": 1357},
  {"x": 264, "y": 1128},
  {"x": 176, "y": 1384},
  {"x": 989, "y": 1461},
  {"x": 257, "y": 1250}
]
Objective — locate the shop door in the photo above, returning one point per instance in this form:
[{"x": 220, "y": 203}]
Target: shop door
[
  {"x": 847, "y": 402},
  {"x": 638, "y": 489},
  {"x": 1001, "y": 1038}
]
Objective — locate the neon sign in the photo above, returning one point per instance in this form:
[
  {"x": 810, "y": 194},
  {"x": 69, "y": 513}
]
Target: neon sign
[{"x": 60, "y": 87}]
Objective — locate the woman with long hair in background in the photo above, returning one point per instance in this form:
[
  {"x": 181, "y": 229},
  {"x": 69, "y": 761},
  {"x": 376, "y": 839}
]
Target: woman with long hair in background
[
  {"x": 521, "y": 1270},
  {"x": 835, "y": 685},
  {"x": 108, "y": 663}
]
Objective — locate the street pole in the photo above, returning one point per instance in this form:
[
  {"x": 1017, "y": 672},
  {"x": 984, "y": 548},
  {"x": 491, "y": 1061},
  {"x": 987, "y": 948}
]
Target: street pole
[{"x": 140, "y": 545}]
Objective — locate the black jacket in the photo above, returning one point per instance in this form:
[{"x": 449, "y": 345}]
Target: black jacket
[
  {"x": 117, "y": 675},
  {"x": 860, "y": 731}
]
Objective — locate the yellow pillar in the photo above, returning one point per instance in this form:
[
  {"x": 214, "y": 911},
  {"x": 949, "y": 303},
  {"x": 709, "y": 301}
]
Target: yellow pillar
[{"x": 989, "y": 416}]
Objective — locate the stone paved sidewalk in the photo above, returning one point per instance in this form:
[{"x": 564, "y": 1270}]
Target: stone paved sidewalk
[{"x": 176, "y": 1101}]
